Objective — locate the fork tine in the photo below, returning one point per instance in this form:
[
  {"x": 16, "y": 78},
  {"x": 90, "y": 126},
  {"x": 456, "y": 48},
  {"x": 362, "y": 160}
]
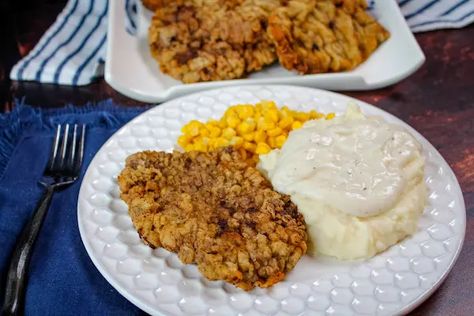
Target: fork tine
[
  {"x": 80, "y": 149},
  {"x": 72, "y": 151},
  {"x": 63, "y": 146},
  {"x": 54, "y": 149}
]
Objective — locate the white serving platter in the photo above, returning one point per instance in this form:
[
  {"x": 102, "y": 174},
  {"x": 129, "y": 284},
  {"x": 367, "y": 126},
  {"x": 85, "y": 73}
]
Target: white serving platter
[{"x": 132, "y": 71}]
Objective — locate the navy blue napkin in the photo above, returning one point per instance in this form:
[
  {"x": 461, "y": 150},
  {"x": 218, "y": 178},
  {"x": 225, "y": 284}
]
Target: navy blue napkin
[{"x": 62, "y": 278}]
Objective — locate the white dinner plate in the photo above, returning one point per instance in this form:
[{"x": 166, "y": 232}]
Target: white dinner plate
[
  {"x": 132, "y": 71},
  {"x": 393, "y": 282}
]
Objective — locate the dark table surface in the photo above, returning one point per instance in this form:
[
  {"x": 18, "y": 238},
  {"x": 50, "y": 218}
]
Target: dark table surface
[{"x": 438, "y": 101}]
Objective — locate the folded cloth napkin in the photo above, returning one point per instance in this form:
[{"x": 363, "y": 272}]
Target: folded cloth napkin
[
  {"x": 62, "y": 278},
  {"x": 72, "y": 51}
]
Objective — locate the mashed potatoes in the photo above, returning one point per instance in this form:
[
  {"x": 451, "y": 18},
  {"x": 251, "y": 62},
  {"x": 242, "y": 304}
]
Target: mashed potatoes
[{"x": 357, "y": 180}]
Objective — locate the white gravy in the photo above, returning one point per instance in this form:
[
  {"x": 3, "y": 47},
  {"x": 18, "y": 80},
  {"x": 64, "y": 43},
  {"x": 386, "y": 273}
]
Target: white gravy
[{"x": 351, "y": 163}]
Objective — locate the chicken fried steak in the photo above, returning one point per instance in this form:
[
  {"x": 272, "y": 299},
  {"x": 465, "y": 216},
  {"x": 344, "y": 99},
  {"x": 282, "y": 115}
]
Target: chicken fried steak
[
  {"x": 211, "y": 39},
  {"x": 215, "y": 210},
  {"x": 315, "y": 36}
]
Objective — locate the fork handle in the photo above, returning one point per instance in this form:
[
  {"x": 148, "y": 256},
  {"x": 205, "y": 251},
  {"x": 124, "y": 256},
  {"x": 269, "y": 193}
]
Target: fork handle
[{"x": 16, "y": 276}]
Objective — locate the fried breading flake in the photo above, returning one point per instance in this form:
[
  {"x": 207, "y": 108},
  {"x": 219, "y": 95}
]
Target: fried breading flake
[
  {"x": 214, "y": 210},
  {"x": 314, "y": 36},
  {"x": 153, "y": 4},
  {"x": 203, "y": 40}
]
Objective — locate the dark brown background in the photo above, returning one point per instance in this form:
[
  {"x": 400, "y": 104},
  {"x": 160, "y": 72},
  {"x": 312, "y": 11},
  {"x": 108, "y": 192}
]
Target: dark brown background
[{"x": 438, "y": 101}]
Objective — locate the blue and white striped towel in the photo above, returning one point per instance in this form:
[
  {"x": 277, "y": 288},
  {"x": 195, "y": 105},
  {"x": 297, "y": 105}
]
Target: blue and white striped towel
[{"x": 72, "y": 51}]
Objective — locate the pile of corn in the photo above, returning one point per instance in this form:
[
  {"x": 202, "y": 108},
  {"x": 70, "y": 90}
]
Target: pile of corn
[{"x": 252, "y": 129}]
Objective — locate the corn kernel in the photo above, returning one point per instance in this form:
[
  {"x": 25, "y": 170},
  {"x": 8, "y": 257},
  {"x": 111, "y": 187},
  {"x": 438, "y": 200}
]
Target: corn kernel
[
  {"x": 284, "y": 112},
  {"x": 189, "y": 147},
  {"x": 249, "y": 137},
  {"x": 214, "y": 132},
  {"x": 257, "y": 114},
  {"x": 280, "y": 140},
  {"x": 301, "y": 116},
  {"x": 221, "y": 142},
  {"x": 296, "y": 125},
  {"x": 195, "y": 123},
  {"x": 267, "y": 125},
  {"x": 271, "y": 115},
  {"x": 191, "y": 124},
  {"x": 274, "y": 132},
  {"x": 272, "y": 142},
  {"x": 183, "y": 141},
  {"x": 205, "y": 140},
  {"x": 245, "y": 111},
  {"x": 262, "y": 148},
  {"x": 236, "y": 141},
  {"x": 252, "y": 122},
  {"x": 222, "y": 123},
  {"x": 232, "y": 121},
  {"x": 231, "y": 111},
  {"x": 228, "y": 133},
  {"x": 260, "y": 136},
  {"x": 203, "y": 131},
  {"x": 285, "y": 122},
  {"x": 250, "y": 146},
  {"x": 315, "y": 115},
  {"x": 268, "y": 105},
  {"x": 246, "y": 127},
  {"x": 330, "y": 116},
  {"x": 192, "y": 128},
  {"x": 212, "y": 143},
  {"x": 199, "y": 146}
]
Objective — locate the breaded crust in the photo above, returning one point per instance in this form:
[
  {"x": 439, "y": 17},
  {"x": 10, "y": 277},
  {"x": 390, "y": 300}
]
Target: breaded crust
[
  {"x": 214, "y": 210},
  {"x": 315, "y": 36},
  {"x": 203, "y": 40}
]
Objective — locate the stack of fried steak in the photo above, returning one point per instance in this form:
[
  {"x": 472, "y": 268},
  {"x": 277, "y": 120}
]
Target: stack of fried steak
[{"x": 207, "y": 40}]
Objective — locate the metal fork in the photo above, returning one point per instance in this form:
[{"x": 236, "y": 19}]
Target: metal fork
[{"x": 63, "y": 168}]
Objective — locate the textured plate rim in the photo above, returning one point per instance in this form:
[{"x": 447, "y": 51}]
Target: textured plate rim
[
  {"x": 149, "y": 309},
  {"x": 422, "y": 298}
]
